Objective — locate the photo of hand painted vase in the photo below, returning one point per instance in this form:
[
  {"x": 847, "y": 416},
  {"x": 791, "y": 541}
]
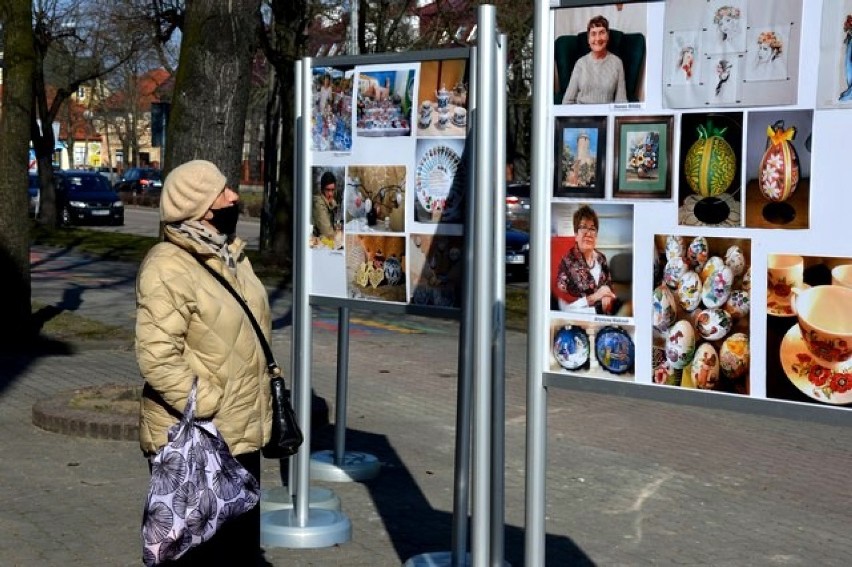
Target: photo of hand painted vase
[{"x": 779, "y": 173}]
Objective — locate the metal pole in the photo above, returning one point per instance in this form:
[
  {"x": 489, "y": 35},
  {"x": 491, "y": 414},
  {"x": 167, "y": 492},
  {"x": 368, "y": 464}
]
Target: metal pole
[
  {"x": 498, "y": 387},
  {"x": 539, "y": 246},
  {"x": 461, "y": 494},
  {"x": 354, "y": 8},
  {"x": 342, "y": 385},
  {"x": 302, "y": 340},
  {"x": 483, "y": 303},
  {"x": 298, "y": 155}
]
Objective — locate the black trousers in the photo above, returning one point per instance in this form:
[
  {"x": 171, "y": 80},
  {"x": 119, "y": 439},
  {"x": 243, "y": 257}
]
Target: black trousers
[{"x": 238, "y": 542}]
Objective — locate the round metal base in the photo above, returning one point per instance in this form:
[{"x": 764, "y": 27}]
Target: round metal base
[
  {"x": 356, "y": 466},
  {"x": 324, "y": 528},
  {"x": 440, "y": 559},
  {"x": 779, "y": 212},
  {"x": 712, "y": 210},
  {"x": 278, "y": 498}
]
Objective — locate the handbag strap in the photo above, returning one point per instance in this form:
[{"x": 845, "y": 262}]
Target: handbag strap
[{"x": 272, "y": 366}]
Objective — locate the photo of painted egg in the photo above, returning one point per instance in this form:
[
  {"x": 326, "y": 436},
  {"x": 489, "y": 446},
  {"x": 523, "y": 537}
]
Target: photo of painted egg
[{"x": 703, "y": 334}]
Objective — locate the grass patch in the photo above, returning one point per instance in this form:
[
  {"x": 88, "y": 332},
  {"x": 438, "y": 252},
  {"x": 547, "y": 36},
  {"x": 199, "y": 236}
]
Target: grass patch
[{"x": 67, "y": 326}]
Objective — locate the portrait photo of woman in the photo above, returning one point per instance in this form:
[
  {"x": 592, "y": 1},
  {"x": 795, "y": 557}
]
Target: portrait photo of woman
[
  {"x": 598, "y": 76},
  {"x": 592, "y": 275}
]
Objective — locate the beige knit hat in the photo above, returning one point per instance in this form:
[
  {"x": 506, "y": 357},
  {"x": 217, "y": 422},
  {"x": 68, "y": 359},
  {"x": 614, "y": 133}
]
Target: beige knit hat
[{"x": 189, "y": 190}]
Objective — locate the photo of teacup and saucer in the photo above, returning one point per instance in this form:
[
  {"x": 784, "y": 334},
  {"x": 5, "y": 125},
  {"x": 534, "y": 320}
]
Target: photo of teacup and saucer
[{"x": 816, "y": 352}]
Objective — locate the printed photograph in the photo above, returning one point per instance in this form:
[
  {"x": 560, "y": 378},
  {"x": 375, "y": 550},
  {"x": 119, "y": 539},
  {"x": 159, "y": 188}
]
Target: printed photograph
[
  {"x": 599, "y": 53},
  {"x": 595, "y": 350},
  {"x": 375, "y": 198},
  {"x": 442, "y": 98},
  {"x": 642, "y": 164},
  {"x": 384, "y": 107},
  {"x": 778, "y": 169},
  {"x": 439, "y": 181},
  {"x": 331, "y": 116},
  {"x": 591, "y": 259},
  {"x": 809, "y": 329},
  {"x": 580, "y": 157},
  {"x": 375, "y": 267},
  {"x": 435, "y": 268},
  {"x": 834, "y": 88},
  {"x": 700, "y": 318},
  {"x": 709, "y": 184},
  {"x": 326, "y": 214}
]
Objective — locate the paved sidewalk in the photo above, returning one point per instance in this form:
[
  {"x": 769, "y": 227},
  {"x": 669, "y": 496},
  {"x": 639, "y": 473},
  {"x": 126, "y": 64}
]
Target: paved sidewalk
[{"x": 630, "y": 482}]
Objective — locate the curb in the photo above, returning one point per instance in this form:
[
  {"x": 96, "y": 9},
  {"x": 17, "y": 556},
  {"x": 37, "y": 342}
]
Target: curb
[{"x": 56, "y": 415}]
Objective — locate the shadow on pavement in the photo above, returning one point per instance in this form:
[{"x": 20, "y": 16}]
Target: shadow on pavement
[{"x": 413, "y": 525}]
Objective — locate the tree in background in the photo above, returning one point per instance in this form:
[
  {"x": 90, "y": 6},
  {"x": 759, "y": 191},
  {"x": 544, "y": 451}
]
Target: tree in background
[{"x": 19, "y": 62}]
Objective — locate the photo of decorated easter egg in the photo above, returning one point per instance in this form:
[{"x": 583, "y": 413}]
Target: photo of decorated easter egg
[
  {"x": 739, "y": 304},
  {"x": 674, "y": 270},
  {"x": 779, "y": 166},
  {"x": 697, "y": 253},
  {"x": 713, "y": 324},
  {"x": 675, "y": 246},
  {"x": 710, "y": 163},
  {"x": 689, "y": 291},
  {"x": 734, "y": 356},
  {"x": 746, "y": 285},
  {"x": 735, "y": 259},
  {"x": 680, "y": 344},
  {"x": 571, "y": 347},
  {"x": 714, "y": 263},
  {"x": 614, "y": 350},
  {"x": 716, "y": 289},
  {"x": 665, "y": 308},
  {"x": 704, "y": 368}
]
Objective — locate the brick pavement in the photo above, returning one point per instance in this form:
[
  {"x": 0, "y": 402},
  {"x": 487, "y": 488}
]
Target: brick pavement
[{"x": 629, "y": 481}]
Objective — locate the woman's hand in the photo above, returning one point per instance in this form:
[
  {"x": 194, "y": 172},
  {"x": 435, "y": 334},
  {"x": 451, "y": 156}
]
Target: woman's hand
[{"x": 603, "y": 294}]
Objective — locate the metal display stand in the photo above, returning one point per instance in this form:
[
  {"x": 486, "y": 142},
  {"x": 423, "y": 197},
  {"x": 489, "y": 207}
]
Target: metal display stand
[
  {"x": 481, "y": 393},
  {"x": 303, "y": 526},
  {"x": 341, "y": 465}
]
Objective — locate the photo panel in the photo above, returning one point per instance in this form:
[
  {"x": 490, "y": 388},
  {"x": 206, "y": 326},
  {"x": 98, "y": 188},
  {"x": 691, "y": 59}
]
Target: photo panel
[
  {"x": 643, "y": 157},
  {"x": 326, "y": 213},
  {"x": 376, "y": 267},
  {"x": 442, "y": 98},
  {"x": 809, "y": 329},
  {"x": 591, "y": 260},
  {"x": 834, "y": 88},
  {"x": 331, "y": 111},
  {"x": 384, "y": 102},
  {"x": 778, "y": 169},
  {"x": 600, "y": 53},
  {"x": 580, "y": 157},
  {"x": 439, "y": 181},
  {"x": 375, "y": 198},
  {"x": 701, "y": 304},
  {"x": 436, "y": 269},
  {"x": 710, "y": 173},
  {"x": 594, "y": 350},
  {"x": 746, "y": 52}
]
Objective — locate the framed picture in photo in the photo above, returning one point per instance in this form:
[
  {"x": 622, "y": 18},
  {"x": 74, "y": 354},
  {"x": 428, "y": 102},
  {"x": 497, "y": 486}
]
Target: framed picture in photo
[
  {"x": 643, "y": 157},
  {"x": 580, "y": 157}
]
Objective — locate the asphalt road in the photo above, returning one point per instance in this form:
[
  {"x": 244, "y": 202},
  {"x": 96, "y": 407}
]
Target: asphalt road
[{"x": 144, "y": 221}]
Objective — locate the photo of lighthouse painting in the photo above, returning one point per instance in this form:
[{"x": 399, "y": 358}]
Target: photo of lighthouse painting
[{"x": 580, "y": 157}]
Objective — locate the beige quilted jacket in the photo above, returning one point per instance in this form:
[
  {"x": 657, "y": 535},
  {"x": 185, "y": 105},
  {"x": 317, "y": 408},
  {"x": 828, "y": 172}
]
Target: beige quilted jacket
[{"x": 188, "y": 325}]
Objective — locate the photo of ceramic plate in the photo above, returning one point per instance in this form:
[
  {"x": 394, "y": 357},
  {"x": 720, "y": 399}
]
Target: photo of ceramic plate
[
  {"x": 828, "y": 385},
  {"x": 435, "y": 173},
  {"x": 614, "y": 350},
  {"x": 571, "y": 347},
  {"x": 780, "y": 306}
]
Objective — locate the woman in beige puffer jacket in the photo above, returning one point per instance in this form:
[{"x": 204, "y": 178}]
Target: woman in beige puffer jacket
[{"x": 188, "y": 325}]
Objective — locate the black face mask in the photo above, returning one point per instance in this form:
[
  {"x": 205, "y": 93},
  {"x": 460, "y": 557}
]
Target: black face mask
[{"x": 225, "y": 219}]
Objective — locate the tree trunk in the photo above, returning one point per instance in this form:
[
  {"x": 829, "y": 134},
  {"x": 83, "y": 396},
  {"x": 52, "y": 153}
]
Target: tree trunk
[
  {"x": 17, "y": 328},
  {"x": 211, "y": 94}
]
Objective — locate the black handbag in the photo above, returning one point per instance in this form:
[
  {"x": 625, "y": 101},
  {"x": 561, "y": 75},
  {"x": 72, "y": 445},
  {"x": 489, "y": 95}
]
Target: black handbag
[{"x": 286, "y": 435}]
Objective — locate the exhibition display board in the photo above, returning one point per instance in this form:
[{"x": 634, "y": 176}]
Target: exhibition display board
[
  {"x": 389, "y": 140},
  {"x": 698, "y": 209}
]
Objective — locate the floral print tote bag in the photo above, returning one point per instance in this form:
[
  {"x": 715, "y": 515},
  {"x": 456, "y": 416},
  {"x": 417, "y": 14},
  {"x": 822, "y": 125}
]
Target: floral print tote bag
[{"x": 196, "y": 486}]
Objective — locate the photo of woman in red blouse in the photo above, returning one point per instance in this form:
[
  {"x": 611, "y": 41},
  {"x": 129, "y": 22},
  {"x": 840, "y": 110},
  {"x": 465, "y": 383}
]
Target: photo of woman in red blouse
[{"x": 583, "y": 280}]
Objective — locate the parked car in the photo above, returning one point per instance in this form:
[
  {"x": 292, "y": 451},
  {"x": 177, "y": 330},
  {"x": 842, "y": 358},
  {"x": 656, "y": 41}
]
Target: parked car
[
  {"x": 140, "y": 184},
  {"x": 34, "y": 195},
  {"x": 517, "y": 252},
  {"x": 110, "y": 173},
  {"x": 518, "y": 205},
  {"x": 86, "y": 196}
]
